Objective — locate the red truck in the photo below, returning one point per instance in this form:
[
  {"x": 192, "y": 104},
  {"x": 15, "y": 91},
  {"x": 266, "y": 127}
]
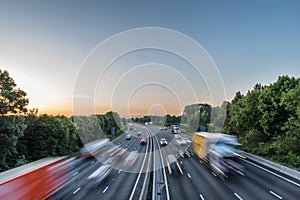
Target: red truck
[{"x": 36, "y": 180}]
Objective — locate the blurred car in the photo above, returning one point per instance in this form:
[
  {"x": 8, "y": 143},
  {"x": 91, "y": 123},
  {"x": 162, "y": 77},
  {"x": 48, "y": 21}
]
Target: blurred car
[
  {"x": 163, "y": 142},
  {"x": 139, "y": 133},
  {"x": 99, "y": 175},
  {"x": 128, "y": 137},
  {"x": 143, "y": 141}
]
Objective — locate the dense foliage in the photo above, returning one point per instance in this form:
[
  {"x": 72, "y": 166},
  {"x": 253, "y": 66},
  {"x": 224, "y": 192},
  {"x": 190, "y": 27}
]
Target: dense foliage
[
  {"x": 13, "y": 102},
  {"x": 195, "y": 116},
  {"x": 267, "y": 120},
  {"x": 98, "y": 126},
  {"x": 47, "y": 136},
  {"x": 141, "y": 120}
]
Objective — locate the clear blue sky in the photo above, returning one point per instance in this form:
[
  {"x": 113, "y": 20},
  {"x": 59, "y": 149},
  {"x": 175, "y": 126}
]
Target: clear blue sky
[{"x": 44, "y": 43}]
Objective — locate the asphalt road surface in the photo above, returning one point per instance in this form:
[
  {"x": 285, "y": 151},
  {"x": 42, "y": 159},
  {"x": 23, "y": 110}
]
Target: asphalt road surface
[{"x": 143, "y": 171}]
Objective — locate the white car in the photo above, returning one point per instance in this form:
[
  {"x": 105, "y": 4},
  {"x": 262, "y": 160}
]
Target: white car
[{"x": 163, "y": 142}]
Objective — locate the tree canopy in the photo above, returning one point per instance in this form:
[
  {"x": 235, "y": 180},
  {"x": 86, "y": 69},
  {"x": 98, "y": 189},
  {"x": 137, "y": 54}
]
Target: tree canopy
[
  {"x": 267, "y": 120},
  {"x": 13, "y": 102}
]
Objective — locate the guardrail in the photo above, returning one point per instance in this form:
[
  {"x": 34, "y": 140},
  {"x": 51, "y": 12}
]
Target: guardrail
[{"x": 277, "y": 167}]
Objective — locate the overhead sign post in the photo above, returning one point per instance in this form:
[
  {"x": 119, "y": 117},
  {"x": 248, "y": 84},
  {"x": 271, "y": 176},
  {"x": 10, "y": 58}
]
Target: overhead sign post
[{"x": 202, "y": 129}]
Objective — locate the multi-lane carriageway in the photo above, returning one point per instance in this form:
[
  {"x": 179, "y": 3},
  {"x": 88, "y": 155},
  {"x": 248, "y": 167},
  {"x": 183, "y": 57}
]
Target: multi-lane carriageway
[{"x": 141, "y": 172}]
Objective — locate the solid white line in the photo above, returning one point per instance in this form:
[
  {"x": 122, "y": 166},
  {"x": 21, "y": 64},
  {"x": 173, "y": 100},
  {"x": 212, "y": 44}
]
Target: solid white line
[
  {"x": 213, "y": 173},
  {"x": 76, "y": 190},
  {"x": 286, "y": 179},
  {"x": 154, "y": 178},
  {"x": 238, "y": 196},
  {"x": 105, "y": 189},
  {"x": 276, "y": 195},
  {"x": 189, "y": 175},
  {"x": 140, "y": 173},
  {"x": 201, "y": 197}
]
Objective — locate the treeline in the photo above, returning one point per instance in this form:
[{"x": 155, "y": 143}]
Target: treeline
[
  {"x": 141, "y": 120},
  {"x": 166, "y": 120},
  {"x": 44, "y": 135},
  {"x": 267, "y": 120},
  {"x": 26, "y": 137}
]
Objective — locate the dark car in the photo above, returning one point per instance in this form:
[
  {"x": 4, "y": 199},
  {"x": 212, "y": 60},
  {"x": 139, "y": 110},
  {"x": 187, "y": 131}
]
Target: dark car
[{"x": 128, "y": 137}]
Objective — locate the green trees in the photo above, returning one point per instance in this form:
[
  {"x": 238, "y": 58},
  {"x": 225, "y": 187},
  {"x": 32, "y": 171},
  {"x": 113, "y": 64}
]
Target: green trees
[
  {"x": 97, "y": 126},
  {"x": 219, "y": 117},
  {"x": 13, "y": 102},
  {"x": 267, "y": 120},
  {"x": 194, "y": 116},
  {"x": 48, "y": 136}
]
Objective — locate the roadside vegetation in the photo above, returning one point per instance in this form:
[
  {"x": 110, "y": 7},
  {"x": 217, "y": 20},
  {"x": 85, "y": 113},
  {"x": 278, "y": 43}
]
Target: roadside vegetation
[
  {"x": 267, "y": 120},
  {"x": 26, "y": 137}
]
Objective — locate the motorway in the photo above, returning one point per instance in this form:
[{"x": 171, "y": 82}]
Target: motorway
[{"x": 141, "y": 172}]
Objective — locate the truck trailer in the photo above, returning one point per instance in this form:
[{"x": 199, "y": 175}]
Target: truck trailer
[{"x": 218, "y": 151}]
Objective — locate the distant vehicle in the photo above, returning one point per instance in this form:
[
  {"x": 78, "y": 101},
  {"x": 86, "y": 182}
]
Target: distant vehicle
[
  {"x": 94, "y": 148},
  {"x": 130, "y": 127},
  {"x": 128, "y": 137},
  {"x": 143, "y": 141},
  {"x": 139, "y": 133},
  {"x": 175, "y": 129},
  {"x": 218, "y": 151},
  {"x": 146, "y": 123},
  {"x": 163, "y": 128},
  {"x": 163, "y": 142},
  {"x": 99, "y": 175}
]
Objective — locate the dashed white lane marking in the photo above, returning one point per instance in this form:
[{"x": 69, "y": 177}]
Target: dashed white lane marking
[
  {"x": 75, "y": 173},
  {"x": 189, "y": 175},
  {"x": 214, "y": 174},
  {"x": 119, "y": 171},
  {"x": 276, "y": 195},
  {"x": 105, "y": 189},
  {"x": 238, "y": 196},
  {"x": 286, "y": 179},
  {"x": 76, "y": 190},
  {"x": 201, "y": 197},
  {"x": 181, "y": 162}
]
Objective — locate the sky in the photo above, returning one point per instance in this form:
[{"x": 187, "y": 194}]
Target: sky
[{"x": 145, "y": 57}]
